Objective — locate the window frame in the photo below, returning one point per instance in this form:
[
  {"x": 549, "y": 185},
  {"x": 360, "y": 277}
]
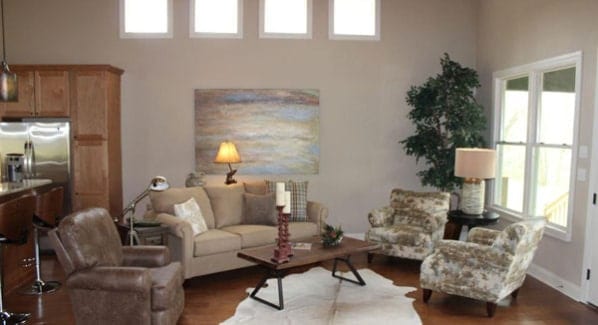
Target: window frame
[
  {"x": 344, "y": 37},
  {"x": 268, "y": 35},
  {"x": 535, "y": 72},
  {"x": 194, "y": 34},
  {"x": 128, "y": 35}
]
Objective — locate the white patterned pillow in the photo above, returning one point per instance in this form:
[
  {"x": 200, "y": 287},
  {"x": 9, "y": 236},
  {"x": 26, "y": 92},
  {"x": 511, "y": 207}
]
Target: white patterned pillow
[{"x": 190, "y": 212}]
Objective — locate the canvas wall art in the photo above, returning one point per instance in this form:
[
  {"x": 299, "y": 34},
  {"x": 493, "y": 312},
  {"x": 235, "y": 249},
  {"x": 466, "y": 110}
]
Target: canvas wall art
[{"x": 276, "y": 131}]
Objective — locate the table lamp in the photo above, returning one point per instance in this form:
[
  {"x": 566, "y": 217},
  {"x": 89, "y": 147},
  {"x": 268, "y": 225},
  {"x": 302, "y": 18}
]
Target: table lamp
[
  {"x": 157, "y": 184},
  {"x": 475, "y": 165},
  {"x": 228, "y": 154}
]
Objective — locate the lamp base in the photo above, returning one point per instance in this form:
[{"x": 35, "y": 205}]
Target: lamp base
[{"x": 472, "y": 196}]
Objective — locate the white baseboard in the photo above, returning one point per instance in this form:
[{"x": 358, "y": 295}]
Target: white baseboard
[
  {"x": 357, "y": 236},
  {"x": 572, "y": 290}
]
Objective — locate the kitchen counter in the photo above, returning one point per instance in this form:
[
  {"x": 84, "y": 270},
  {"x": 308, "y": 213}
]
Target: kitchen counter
[
  {"x": 18, "y": 260},
  {"x": 10, "y": 190}
]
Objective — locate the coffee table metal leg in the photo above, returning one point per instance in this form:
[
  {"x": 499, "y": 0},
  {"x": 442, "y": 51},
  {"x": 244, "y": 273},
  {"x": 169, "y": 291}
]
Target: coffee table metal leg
[
  {"x": 270, "y": 274},
  {"x": 353, "y": 270}
]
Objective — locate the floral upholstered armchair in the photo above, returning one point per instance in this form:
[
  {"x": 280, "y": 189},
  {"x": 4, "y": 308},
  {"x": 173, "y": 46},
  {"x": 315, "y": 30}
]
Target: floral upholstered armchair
[
  {"x": 411, "y": 225},
  {"x": 489, "y": 266}
]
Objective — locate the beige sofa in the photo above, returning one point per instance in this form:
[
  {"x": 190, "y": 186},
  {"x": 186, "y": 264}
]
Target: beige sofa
[{"x": 222, "y": 207}]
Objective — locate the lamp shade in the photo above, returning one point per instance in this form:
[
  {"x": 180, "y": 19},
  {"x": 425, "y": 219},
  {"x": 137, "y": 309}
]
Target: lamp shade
[
  {"x": 475, "y": 163},
  {"x": 227, "y": 154}
]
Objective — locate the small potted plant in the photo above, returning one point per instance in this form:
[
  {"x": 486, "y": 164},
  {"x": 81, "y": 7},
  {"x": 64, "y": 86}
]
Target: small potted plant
[{"x": 331, "y": 236}]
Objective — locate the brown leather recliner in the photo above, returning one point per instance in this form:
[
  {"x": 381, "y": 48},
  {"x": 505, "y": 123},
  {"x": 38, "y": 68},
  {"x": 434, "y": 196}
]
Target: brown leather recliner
[{"x": 112, "y": 284}]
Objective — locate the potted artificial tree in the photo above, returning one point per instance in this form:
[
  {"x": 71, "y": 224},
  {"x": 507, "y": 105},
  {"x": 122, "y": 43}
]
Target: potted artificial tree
[{"x": 446, "y": 116}]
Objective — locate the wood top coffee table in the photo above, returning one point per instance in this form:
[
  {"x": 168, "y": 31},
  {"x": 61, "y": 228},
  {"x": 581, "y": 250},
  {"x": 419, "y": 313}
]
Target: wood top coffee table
[{"x": 301, "y": 257}]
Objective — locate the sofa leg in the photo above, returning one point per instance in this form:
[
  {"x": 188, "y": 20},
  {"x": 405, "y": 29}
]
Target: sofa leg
[
  {"x": 427, "y": 295},
  {"x": 515, "y": 293},
  {"x": 370, "y": 257},
  {"x": 490, "y": 308}
]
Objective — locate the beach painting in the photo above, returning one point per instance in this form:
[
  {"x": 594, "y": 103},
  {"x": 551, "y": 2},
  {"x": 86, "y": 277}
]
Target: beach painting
[{"x": 276, "y": 131}]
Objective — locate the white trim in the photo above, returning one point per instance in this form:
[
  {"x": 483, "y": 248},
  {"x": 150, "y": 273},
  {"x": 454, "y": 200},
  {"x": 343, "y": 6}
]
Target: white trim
[
  {"x": 567, "y": 288},
  {"x": 125, "y": 35},
  {"x": 591, "y": 240},
  {"x": 535, "y": 71},
  {"x": 194, "y": 34},
  {"x": 306, "y": 35},
  {"x": 343, "y": 37}
]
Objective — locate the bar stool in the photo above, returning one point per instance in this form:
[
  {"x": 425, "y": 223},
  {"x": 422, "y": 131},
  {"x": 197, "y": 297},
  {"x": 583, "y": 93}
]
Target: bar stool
[
  {"x": 47, "y": 211},
  {"x": 15, "y": 216}
]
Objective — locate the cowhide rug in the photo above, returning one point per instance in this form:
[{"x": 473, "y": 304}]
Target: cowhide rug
[{"x": 315, "y": 297}]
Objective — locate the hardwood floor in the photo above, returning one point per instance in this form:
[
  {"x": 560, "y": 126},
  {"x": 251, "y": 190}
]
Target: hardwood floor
[{"x": 213, "y": 298}]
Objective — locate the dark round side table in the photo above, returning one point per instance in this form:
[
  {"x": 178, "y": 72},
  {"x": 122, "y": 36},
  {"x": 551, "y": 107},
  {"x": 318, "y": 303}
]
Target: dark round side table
[{"x": 459, "y": 219}]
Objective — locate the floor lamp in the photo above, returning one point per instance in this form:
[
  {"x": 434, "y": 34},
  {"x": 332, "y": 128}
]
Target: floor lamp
[{"x": 157, "y": 184}]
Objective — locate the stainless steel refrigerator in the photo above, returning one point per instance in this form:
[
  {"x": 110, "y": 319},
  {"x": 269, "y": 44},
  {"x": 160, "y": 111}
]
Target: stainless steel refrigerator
[{"x": 45, "y": 144}]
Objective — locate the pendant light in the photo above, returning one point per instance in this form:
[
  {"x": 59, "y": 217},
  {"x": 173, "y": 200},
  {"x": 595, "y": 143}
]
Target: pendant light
[{"x": 8, "y": 79}]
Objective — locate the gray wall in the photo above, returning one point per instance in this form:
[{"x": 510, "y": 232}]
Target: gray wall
[
  {"x": 516, "y": 32},
  {"x": 362, "y": 86}
]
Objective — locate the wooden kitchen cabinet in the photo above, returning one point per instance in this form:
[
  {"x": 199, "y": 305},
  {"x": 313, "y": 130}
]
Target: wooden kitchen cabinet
[
  {"x": 90, "y": 96},
  {"x": 25, "y": 105},
  {"x": 42, "y": 93},
  {"x": 95, "y": 116}
]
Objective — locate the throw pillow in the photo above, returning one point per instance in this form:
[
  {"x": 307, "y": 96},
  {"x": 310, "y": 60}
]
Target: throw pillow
[
  {"x": 298, "y": 197},
  {"x": 190, "y": 212},
  {"x": 260, "y": 209}
]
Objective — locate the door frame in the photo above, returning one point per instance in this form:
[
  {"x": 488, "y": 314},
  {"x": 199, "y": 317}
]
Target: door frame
[{"x": 592, "y": 209}]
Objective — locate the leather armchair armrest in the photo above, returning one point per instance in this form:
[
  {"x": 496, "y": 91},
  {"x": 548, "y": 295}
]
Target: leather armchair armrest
[
  {"x": 381, "y": 217},
  {"x": 482, "y": 236},
  {"x": 473, "y": 255},
  {"x": 110, "y": 278},
  {"x": 146, "y": 256}
]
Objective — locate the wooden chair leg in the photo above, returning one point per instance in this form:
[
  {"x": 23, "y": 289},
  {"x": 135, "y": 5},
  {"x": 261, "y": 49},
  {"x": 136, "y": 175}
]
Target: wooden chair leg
[
  {"x": 515, "y": 293},
  {"x": 490, "y": 308},
  {"x": 370, "y": 258},
  {"x": 427, "y": 295}
]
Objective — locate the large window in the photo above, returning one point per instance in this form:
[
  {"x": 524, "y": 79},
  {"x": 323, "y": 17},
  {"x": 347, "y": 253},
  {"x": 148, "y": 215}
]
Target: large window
[
  {"x": 285, "y": 19},
  {"x": 536, "y": 112},
  {"x": 217, "y": 18},
  {"x": 145, "y": 18},
  {"x": 354, "y": 19}
]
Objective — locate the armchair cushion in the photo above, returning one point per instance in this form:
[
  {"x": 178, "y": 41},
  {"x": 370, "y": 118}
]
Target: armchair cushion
[
  {"x": 482, "y": 236},
  {"x": 428, "y": 222},
  {"x": 146, "y": 256}
]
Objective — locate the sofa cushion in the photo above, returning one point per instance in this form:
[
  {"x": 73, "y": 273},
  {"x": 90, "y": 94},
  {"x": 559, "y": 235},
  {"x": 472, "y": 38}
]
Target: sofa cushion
[
  {"x": 257, "y": 187},
  {"x": 215, "y": 241},
  {"x": 259, "y": 209},
  {"x": 300, "y": 230},
  {"x": 166, "y": 281},
  {"x": 254, "y": 235},
  {"x": 227, "y": 204},
  {"x": 163, "y": 202}
]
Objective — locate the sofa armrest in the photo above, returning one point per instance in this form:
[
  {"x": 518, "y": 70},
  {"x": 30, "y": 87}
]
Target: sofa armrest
[
  {"x": 381, "y": 217},
  {"x": 180, "y": 241},
  {"x": 146, "y": 256},
  {"x": 111, "y": 278},
  {"x": 317, "y": 213},
  {"x": 482, "y": 236}
]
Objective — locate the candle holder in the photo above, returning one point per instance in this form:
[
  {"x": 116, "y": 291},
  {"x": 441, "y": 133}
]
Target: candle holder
[{"x": 283, "y": 250}]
